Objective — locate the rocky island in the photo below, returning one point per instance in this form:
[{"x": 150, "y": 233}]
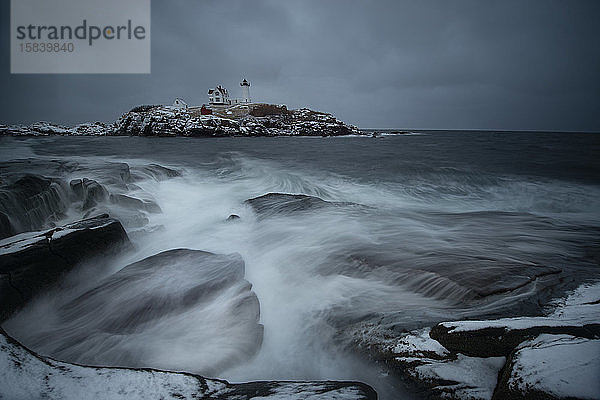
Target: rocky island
[
  {"x": 253, "y": 119},
  {"x": 222, "y": 116}
]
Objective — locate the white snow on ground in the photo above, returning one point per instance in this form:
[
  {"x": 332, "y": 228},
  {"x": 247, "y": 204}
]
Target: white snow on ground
[
  {"x": 563, "y": 365},
  {"x": 476, "y": 377},
  {"x": 577, "y": 309},
  {"x": 558, "y": 364},
  {"x": 25, "y": 376},
  {"x": 47, "y": 128},
  {"x": 419, "y": 343},
  {"x": 579, "y": 302}
]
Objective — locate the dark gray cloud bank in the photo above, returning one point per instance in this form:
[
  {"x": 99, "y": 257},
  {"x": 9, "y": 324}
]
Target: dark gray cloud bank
[{"x": 532, "y": 65}]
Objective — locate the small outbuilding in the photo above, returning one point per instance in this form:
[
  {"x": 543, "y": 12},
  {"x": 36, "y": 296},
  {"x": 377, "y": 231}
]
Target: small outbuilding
[
  {"x": 178, "y": 103},
  {"x": 205, "y": 110}
]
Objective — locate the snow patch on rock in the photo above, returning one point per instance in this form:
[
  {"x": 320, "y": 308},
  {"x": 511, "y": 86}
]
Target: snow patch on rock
[
  {"x": 579, "y": 308},
  {"x": 26, "y": 375},
  {"x": 418, "y": 344},
  {"x": 562, "y": 365},
  {"x": 464, "y": 378}
]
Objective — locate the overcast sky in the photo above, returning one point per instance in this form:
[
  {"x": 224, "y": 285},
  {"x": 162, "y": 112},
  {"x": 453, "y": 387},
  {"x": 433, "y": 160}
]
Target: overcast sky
[{"x": 532, "y": 65}]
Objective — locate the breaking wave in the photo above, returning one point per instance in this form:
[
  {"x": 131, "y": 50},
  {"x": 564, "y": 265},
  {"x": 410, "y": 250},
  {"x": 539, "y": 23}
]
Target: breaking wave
[{"x": 394, "y": 246}]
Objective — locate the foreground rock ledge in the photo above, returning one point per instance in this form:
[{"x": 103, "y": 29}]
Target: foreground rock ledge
[
  {"x": 577, "y": 315},
  {"x": 32, "y": 261},
  {"x": 179, "y": 301},
  {"x": 551, "y": 367},
  {"x": 453, "y": 360},
  {"x": 26, "y": 375}
]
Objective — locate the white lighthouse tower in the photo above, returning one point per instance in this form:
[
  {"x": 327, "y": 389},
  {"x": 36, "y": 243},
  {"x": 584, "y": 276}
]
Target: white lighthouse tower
[{"x": 245, "y": 91}]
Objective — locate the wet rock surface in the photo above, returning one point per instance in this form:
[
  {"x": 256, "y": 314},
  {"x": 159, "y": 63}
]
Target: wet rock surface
[
  {"x": 135, "y": 203},
  {"x": 157, "y": 172},
  {"x": 54, "y": 189},
  {"x": 272, "y": 204},
  {"x": 29, "y": 201},
  {"x": 33, "y": 261},
  {"x": 89, "y": 192},
  {"x": 200, "y": 298}
]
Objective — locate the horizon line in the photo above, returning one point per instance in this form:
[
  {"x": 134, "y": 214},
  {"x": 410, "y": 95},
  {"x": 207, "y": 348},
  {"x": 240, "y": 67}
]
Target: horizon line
[{"x": 477, "y": 130}]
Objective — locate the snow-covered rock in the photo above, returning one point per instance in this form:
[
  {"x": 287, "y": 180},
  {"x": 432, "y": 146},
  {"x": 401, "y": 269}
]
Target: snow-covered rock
[
  {"x": 156, "y": 120},
  {"x": 43, "y": 128},
  {"x": 26, "y": 375},
  {"x": 304, "y": 122},
  {"x": 275, "y": 121},
  {"x": 553, "y": 366},
  {"x": 463, "y": 378},
  {"x": 456, "y": 364},
  {"x": 91, "y": 129},
  {"x": 578, "y": 314},
  {"x": 443, "y": 374},
  {"x": 171, "y": 121}
]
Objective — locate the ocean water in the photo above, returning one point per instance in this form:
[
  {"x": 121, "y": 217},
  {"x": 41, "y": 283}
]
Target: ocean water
[{"x": 432, "y": 226}]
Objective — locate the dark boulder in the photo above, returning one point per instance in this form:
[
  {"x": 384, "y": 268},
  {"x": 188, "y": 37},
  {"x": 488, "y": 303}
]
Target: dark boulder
[
  {"x": 155, "y": 171},
  {"x": 165, "y": 304},
  {"x": 89, "y": 192},
  {"x": 134, "y": 203},
  {"x": 31, "y": 262},
  {"x": 108, "y": 174},
  {"x": 501, "y": 341},
  {"x": 30, "y": 203},
  {"x": 285, "y": 204},
  {"x": 6, "y": 228}
]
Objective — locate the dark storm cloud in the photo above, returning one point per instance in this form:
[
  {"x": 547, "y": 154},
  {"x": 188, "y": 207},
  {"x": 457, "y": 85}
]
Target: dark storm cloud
[{"x": 421, "y": 64}]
